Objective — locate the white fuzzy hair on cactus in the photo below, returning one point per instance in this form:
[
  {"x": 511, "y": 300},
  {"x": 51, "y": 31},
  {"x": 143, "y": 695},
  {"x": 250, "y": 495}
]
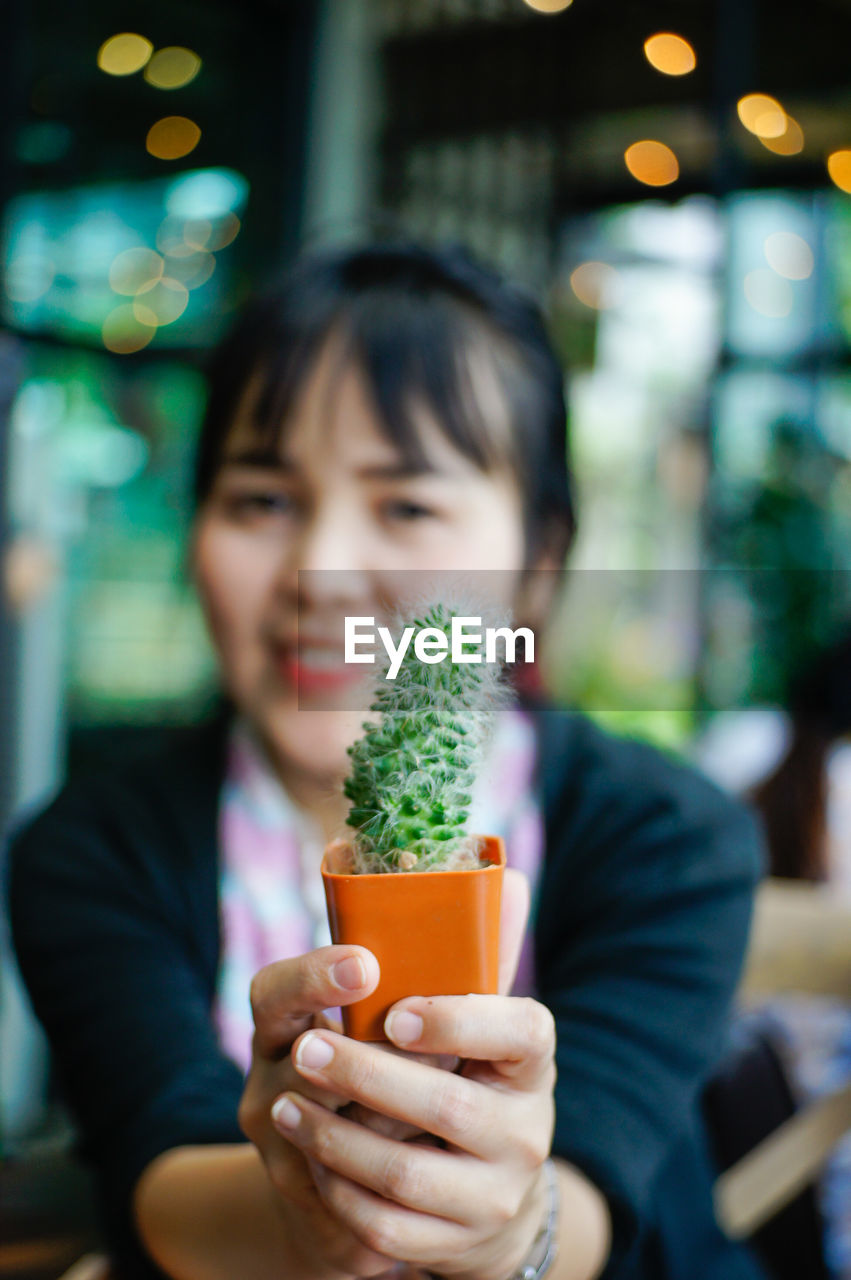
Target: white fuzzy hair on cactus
[{"x": 413, "y": 770}]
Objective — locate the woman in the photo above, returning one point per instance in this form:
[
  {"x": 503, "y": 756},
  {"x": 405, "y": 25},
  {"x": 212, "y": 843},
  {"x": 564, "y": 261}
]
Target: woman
[{"x": 386, "y": 410}]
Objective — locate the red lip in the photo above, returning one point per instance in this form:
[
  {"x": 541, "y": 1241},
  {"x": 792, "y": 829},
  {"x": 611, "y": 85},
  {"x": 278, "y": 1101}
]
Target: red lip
[{"x": 307, "y": 680}]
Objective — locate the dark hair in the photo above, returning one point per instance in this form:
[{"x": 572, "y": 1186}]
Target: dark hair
[
  {"x": 792, "y": 801},
  {"x": 410, "y": 316}
]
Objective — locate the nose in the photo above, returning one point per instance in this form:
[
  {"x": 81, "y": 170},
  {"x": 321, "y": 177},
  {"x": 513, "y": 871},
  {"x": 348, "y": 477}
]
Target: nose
[{"x": 327, "y": 562}]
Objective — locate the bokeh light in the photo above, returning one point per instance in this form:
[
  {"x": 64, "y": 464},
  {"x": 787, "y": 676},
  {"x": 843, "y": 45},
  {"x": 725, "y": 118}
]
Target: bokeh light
[
  {"x": 211, "y": 233},
  {"x": 172, "y": 137},
  {"x": 171, "y": 238},
  {"x": 28, "y": 570},
  {"x": 671, "y": 54},
  {"x": 28, "y": 278},
  {"x": 839, "y": 168},
  {"x": 595, "y": 284},
  {"x": 652, "y": 163},
  {"x": 789, "y": 143},
  {"x": 548, "y": 6},
  {"x": 162, "y": 304},
  {"x": 124, "y": 54},
  {"x": 197, "y": 233},
  {"x": 224, "y": 232},
  {"x": 768, "y": 293},
  {"x": 179, "y": 238},
  {"x": 172, "y": 67},
  {"x": 762, "y": 115},
  {"x": 135, "y": 269},
  {"x": 207, "y": 193},
  {"x": 193, "y": 270},
  {"x": 789, "y": 255},
  {"x": 124, "y": 333}
]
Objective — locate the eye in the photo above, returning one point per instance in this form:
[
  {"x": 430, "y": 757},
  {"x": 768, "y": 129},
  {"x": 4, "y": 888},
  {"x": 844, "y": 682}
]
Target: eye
[
  {"x": 259, "y": 503},
  {"x": 401, "y": 509}
]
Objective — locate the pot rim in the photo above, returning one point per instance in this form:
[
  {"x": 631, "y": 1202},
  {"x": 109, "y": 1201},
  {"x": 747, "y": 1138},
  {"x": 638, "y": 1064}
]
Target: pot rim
[{"x": 494, "y": 845}]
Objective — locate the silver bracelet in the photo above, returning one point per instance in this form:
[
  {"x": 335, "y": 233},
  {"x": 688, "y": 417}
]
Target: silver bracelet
[{"x": 543, "y": 1251}]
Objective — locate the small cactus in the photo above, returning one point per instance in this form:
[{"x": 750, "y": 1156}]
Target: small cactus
[{"x": 413, "y": 771}]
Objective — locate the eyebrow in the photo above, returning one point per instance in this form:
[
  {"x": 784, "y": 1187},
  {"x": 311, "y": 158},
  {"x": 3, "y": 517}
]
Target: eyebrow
[{"x": 268, "y": 459}]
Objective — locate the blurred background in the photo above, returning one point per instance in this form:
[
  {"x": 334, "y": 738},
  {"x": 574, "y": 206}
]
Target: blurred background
[{"x": 671, "y": 177}]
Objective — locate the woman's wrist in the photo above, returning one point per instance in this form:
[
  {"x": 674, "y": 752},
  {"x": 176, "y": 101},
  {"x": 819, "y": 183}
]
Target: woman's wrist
[
  {"x": 540, "y": 1257},
  {"x": 536, "y": 1226},
  {"x": 538, "y": 1250}
]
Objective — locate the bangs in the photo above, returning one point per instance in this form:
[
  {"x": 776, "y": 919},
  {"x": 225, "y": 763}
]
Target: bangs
[
  {"x": 438, "y": 338},
  {"x": 418, "y": 357}
]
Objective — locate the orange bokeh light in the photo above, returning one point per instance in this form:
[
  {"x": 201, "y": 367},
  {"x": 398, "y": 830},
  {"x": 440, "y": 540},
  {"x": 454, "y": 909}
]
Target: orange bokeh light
[
  {"x": 839, "y": 168},
  {"x": 594, "y": 284},
  {"x": 669, "y": 53},
  {"x": 123, "y": 333},
  {"x": 162, "y": 304},
  {"x": 172, "y": 138},
  {"x": 762, "y": 115},
  {"x": 652, "y": 163},
  {"x": 134, "y": 269},
  {"x": 790, "y": 142}
]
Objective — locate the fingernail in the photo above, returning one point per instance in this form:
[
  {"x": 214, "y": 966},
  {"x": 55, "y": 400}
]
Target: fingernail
[
  {"x": 313, "y": 1052},
  {"x": 403, "y": 1027},
  {"x": 349, "y": 974},
  {"x": 285, "y": 1114}
]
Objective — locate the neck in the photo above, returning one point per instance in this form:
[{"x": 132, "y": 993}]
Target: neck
[{"x": 320, "y": 799}]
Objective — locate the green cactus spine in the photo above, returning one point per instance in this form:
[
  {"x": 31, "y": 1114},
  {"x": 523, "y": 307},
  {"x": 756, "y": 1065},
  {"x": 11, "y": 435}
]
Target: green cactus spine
[{"x": 412, "y": 772}]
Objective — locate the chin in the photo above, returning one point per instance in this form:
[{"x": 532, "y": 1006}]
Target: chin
[{"x": 314, "y": 742}]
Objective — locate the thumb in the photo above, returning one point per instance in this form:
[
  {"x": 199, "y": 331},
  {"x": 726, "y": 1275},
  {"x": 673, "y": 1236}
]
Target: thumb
[{"x": 512, "y": 925}]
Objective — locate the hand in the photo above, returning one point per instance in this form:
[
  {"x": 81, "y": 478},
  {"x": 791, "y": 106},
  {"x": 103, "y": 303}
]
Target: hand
[
  {"x": 473, "y": 1208},
  {"x": 287, "y": 999}
]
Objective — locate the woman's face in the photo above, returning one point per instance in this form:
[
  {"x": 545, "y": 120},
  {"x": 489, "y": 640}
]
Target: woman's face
[{"x": 336, "y": 499}]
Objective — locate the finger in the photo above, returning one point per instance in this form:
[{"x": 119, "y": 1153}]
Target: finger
[
  {"x": 286, "y": 995},
  {"x": 389, "y": 1229},
  {"x": 514, "y": 913},
  {"x": 514, "y": 1035},
  {"x": 334, "y": 1101},
  {"x": 329, "y": 1239},
  {"x": 401, "y": 1130},
  {"x": 282, "y": 1076},
  {"x": 467, "y": 1114},
  {"x": 364, "y": 1115},
  {"x": 447, "y": 1185},
  {"x": 329, "y": 1021},
  {"x": 267, "y": 1081}
]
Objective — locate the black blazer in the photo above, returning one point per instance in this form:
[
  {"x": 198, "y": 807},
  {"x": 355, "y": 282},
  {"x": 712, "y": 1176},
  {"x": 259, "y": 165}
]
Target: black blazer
[{"x": 640, "y": 930}]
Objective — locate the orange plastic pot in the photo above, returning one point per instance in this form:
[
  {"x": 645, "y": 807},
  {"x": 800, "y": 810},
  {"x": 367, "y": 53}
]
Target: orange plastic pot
[{"x": 433, "y": 933}]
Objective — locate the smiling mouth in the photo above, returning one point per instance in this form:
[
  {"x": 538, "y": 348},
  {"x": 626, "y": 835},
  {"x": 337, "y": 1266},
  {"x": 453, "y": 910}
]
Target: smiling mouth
[{"x": 317, "y": 669}]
